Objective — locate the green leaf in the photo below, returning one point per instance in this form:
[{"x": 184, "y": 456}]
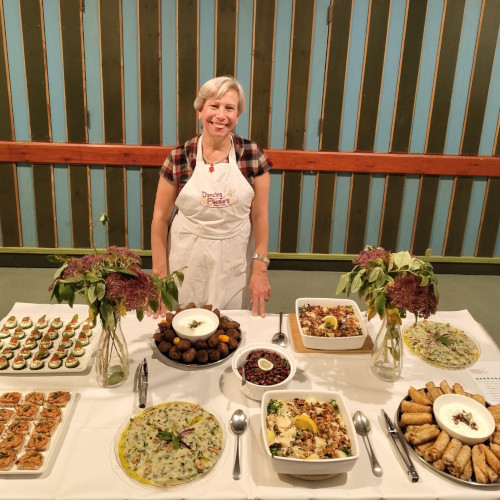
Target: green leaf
[
  {"x": 101, "y": 290},
  {"x": 402, "y": 259},
  {"x": 375, "y": 274},
  {"x": 343, "y": 282},
  {"x": 357, "y": 282},
  {"x": 91, "y": 294},
  {"x": 139, "y": 313},
  {"x": 380, "y": 300}
]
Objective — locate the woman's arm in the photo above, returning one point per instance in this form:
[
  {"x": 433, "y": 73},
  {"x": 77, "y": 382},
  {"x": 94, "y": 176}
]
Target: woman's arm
[
  {"x": 260, "y": 289},
  {"x": 166, "y": 194}
]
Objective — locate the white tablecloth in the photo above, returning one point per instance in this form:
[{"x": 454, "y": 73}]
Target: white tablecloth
[{"x": 85, "y": 467}]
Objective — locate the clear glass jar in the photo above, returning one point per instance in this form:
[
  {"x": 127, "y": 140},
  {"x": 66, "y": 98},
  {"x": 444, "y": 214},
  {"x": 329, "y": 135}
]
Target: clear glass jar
[{"x": 387, "y": 358}]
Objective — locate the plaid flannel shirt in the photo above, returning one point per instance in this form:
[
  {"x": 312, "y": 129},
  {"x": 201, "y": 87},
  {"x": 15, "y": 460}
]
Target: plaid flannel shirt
[{"x": 181, "y": 162}]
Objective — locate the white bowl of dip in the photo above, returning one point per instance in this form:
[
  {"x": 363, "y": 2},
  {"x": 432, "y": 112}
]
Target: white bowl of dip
[
  {"x": 463, "y": 418},
  {"x": 195, "y": 324}
]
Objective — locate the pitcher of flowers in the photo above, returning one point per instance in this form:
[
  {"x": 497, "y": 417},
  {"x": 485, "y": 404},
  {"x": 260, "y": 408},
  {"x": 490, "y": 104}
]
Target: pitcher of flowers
[
  {"x": 391, "y": 284},
  {"x": 112, "y": 283}
]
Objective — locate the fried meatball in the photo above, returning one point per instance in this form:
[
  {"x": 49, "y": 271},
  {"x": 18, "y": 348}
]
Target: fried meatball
[
  {"x": 184, "y": 345},
  {"x": 232, "y": 343},
  {"x": 217, "y": 312},
  {"x": 164, "y": 346},
  {"x": 223, "y": 349},
  {"x": 174, "y": 353},
  {"x": 213, "y": 355},
  {"x": 189, "y": 355},
  {"x": 207, "y": 306},
  {"x": 200, "y": 344},
  {"x": 158, "y": 336},
  {"x": 213, "y": 341},
  {"x": 223, "y": 321},
  {"x": 191, "y": 305},
  {"x": 202, "y": 356},
  {"x": 232, "y": 332},
  {"x": 232, "y": 324},
  {"x": 168, "y": 334},
  {"x": 179, "y": 309}
]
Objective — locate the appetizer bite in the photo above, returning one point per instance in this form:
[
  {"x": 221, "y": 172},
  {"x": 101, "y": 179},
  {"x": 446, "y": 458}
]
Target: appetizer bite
[
  {"x": 26, "y": 322},
  {"x": 11, "y": 322},
  {"x": 432, "y": 441}
]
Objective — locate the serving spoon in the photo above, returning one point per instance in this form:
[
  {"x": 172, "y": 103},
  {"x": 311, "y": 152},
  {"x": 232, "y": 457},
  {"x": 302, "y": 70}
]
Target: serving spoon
[
  {"x": 280, "y": 338},
  {"x": 239, "y": 424},
  {"x": 363, "y": 427}
]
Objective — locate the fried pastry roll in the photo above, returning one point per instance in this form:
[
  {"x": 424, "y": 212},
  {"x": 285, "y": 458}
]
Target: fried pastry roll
[
  {"x": 415, "y": 419},
  {"x": 445, "y": 387},
  {"x": 467, "y": 473},
  {"x": 495, "y": 437},
  {"x": 435, "y": 452},
  {"x": 495, "y": 411},
  {"x": 434, "y": 393},
  {"x": 495, "y": 448},
  {"x": 479, "y": 465},
  {"x": 410, "y": 407},
  {"x": 422, "y": 448},
  {"x": 419, "y": 397},
  {"x": 451, "y": 451},
  {"x": 438, "y": 464},
  {"x": 492, "y": 475},
  {"x": 424, "y": 433},
  {"x": 463, "y": 456},
  {"x": 458, "y": 389},
  {"x": 479, "y": 398},
  {"x": 491, "y": 459}
]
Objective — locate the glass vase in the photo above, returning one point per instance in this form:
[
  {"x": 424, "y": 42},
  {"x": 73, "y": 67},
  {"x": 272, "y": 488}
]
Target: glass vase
[
  {"x": 112, "y": 361},
  {"x": 387, "y": 358}
]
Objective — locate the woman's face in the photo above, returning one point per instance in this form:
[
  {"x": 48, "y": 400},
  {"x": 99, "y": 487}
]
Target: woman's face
[{"x": 220, "y": 116}]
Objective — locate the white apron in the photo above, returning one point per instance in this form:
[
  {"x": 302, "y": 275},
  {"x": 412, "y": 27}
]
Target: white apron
[{"x": 211, "y": 234}]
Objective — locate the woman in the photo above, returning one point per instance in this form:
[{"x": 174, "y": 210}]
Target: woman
[{"x": 219, "y": 183}]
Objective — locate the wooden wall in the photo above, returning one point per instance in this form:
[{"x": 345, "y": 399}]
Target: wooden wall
[{"x": 395, "y": 77}]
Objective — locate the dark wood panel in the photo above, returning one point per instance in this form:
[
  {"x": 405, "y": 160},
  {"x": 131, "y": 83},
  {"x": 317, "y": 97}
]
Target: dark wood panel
[
  {"x": 338, "y": 47},
  {"x": 150, "y": 62},
  {"x": 490, "y": 223},
  {"x": 112, "y": 71},
  {"x": 299, "y": 73},
  {"x": 391, "y": 213},
  {"x": 323, "y": 215},
  {"x": 459, "y": 210},
  {"x": 478, "y": 94},
  {"x": 79, "y": 197},
  {"x": 6, "y": 124},
  {"x": 10, "y": 218},
  {"x": 445, "y": 75},
  {"x": 262, "y": 71},
  {"x": 187, "y": 68},
  {"x": 425, "y": 214},
  {"x": 149, "y": 183},
  {"x": 358, "y": 209},
  {"x": 115, "y": 205},
  {"x": 290, "y": 214},
  {"x": 408, "y": 77},
  {"x": 372, "y": 74},
  {"x": 34, "y": 62},
  {"x": 74, "y": 70},
  {"x": 283, "y": 159},
  {"x": 44, "y": 205},
  {"x": 225, "y": 44}
]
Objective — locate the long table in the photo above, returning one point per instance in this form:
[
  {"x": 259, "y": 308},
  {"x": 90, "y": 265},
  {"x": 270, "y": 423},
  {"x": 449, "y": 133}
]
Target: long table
[{"x": 85, "y": 465}]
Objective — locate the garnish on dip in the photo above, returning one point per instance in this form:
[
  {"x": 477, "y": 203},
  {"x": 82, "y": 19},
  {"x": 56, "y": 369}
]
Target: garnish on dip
[
  {"x": 465, "y": 417},
  {"x": 195, "y": 324}
]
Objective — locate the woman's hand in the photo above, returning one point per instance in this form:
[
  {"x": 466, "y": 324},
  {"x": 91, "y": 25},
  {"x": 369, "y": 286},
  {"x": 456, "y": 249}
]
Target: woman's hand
[{"x": 260, "y": 289}]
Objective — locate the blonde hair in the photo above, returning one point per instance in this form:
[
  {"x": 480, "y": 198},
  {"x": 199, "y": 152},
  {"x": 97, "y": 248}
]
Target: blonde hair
[{"x": 216, "y": 88}]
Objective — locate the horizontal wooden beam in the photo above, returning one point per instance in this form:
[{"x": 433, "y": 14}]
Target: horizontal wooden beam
[{"x": 283, "y": 159}]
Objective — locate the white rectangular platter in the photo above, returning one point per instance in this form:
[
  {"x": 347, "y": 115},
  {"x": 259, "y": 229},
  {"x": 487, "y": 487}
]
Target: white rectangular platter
[
  {"x": 51, "y": 312},
  {"x": 55, "y": 440}
]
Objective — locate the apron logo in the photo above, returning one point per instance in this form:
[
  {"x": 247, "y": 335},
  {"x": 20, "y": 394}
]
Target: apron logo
[{"x": 218, "y": 200}]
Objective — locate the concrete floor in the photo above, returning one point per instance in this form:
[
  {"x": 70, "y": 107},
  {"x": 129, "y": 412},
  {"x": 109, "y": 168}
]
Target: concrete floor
[{"x": 478, "y": 294}]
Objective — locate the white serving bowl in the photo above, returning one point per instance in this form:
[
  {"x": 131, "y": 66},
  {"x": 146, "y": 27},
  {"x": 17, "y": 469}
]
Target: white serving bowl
[
  {"x": 447, "y": 405},
  {"x": 209, "y": 323},
  {"x": 307, "y": 469},
  {"x": 331, "y": 343},
  {"x": 254, "y": 391}
]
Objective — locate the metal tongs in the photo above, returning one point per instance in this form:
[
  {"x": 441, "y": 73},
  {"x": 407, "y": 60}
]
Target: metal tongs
[
  {"x": 400, "y": 445},
  {"x": 143, "y": 384}
]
